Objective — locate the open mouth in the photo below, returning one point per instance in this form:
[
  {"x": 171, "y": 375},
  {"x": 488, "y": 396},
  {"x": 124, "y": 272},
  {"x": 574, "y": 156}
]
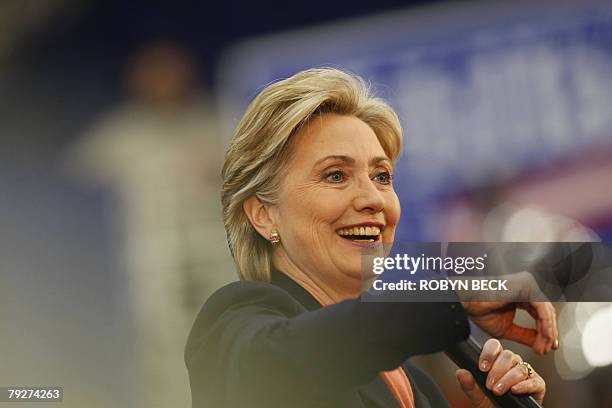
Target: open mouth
[{"x": 360, "y": 234}]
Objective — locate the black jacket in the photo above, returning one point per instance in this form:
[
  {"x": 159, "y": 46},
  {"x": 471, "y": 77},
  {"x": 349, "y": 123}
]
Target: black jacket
[{"x": 272, "y": 345}]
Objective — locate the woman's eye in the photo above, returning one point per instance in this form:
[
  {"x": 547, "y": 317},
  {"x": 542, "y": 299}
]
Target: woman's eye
[
  {"x": 335, "y": 176},
  {"x": 383, "y": 177}
]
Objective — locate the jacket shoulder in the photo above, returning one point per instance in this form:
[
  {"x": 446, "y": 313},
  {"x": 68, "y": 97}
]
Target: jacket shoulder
[
  {"x": 241, "y": 300},
  {"x": 248, "y": 294}
]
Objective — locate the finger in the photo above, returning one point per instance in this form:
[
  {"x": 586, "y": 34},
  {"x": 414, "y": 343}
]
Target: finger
[
  {"x": 539, "y": 342},
  {"x": 527, "y": 336},
  {"x": 515, "y": 375},
  {"x": 550, "y": 329},
  {"x": 546, "y": 327},
  {"x": 555, "y": 343},
  {"x": 489, "y": 353},
  {"x": 521, "y": 335},
  {"x": 536, "y": 386},
  {"x": 530, "y": 309},
  {"x": 505, "y": 361},
  {"x": 469, "y": 387},
  {"x": 536, "y": 339},
  {"x": 554, "y": 330}
]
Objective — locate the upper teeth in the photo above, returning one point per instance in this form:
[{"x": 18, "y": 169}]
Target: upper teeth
[{"x": 359, "y": 231}]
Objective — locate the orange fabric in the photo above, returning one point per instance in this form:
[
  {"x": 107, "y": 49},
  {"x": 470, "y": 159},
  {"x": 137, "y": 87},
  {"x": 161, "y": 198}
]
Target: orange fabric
[
  {"x": 398, "y": 383},
  {"x": 396, "y": 380}
]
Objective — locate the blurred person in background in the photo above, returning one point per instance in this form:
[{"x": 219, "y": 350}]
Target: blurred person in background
[
  {"x": 307, "y": 185},
  {"x": 159, "y": 151}
]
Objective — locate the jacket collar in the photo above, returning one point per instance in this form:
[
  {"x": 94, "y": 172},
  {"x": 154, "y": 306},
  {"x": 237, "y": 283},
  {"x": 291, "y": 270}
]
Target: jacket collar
[{"x": 299, "y": 293}]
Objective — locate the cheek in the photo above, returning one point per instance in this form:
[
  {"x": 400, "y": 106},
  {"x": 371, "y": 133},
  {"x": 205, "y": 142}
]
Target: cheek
[
  {"x": 310, "y": 214},
  {"x": 321, "y": 206},
  {"x": 329, "y": 207},
  {"x": 392, "y": 212}
]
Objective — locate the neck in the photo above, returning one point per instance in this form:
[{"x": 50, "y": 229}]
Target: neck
[{"x": 323, "y": 292}]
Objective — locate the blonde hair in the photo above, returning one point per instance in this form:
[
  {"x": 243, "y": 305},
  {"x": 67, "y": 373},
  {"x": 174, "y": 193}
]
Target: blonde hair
[{"x": 260, "y": 149}]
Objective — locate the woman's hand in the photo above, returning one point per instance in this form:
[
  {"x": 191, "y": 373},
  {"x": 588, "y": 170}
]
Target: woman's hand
[
  {"x": 497, "y": 317},
  {"x": 505, "y": 373}
]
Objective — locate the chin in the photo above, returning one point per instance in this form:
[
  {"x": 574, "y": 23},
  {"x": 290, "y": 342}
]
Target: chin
[{"x": 354, "y": 272}]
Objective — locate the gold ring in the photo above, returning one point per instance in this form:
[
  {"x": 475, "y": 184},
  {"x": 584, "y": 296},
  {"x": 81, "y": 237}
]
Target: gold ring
[{"x": 528, "y": 367}]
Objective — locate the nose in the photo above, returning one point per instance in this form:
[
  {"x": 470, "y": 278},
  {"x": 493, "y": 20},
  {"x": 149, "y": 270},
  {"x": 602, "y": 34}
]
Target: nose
[{"x": 368, "y": 197}]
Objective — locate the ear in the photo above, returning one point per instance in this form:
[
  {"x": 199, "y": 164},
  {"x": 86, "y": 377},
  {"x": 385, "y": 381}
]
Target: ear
[{"x": 259, "y": 214}]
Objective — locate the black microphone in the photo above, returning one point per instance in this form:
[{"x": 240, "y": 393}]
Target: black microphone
[
  {"x": 564, "y": 265},
  {"x": 466, "y": 354}
]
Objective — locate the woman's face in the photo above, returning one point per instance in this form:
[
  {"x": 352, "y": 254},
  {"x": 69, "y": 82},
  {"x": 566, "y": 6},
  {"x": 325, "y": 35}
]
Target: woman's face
[{"x": 336, "y": 198}]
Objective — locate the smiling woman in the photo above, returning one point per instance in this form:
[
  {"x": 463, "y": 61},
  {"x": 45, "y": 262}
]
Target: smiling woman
[
  {"x": 312, "y": 106},
  {"x": 337, "y": 190},
  {"x": 307, "y": 186}
]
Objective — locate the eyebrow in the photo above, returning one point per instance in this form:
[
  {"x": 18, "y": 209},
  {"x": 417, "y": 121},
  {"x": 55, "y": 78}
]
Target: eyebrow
[{"x": 350, "y": 160}]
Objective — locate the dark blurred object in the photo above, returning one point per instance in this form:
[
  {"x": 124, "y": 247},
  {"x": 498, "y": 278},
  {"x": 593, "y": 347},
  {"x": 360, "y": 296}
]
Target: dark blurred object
[
  {"x": 565, "y": 263},
  {"x": 22, "y": 19},
  {"x": 162, "y": 75}
]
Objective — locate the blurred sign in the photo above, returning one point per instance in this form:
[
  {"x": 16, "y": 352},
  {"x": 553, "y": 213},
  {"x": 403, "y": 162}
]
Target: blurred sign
[{"x": 485, "y": 91}]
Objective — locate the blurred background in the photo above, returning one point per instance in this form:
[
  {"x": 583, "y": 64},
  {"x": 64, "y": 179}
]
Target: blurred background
[{"x": 113, "y": 121}]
